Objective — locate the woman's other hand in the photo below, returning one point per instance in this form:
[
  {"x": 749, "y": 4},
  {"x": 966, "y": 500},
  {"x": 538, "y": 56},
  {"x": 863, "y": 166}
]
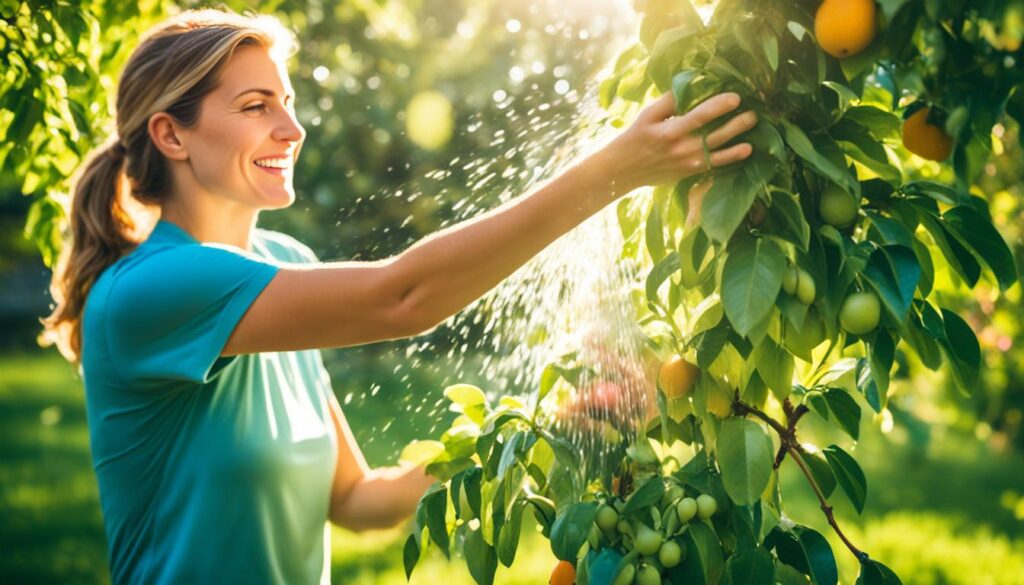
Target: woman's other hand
[{"x": 661, "y": 147}]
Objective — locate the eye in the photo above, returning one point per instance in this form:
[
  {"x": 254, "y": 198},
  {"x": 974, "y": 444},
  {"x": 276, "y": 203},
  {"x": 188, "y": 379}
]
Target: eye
[{"x": 261, "y": 107}]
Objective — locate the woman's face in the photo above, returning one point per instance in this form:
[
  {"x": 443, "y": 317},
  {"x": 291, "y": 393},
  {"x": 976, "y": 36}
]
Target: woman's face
[{"x": 247, "y": 139}]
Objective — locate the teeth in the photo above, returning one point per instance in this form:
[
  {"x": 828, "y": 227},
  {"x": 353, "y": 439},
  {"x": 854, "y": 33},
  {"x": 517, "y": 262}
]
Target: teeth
[{"x": 274, "y": 163}]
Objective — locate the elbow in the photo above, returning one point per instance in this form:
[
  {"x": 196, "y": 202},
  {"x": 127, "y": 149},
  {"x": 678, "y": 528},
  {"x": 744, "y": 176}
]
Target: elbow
[{"x": 413, "y": 317}]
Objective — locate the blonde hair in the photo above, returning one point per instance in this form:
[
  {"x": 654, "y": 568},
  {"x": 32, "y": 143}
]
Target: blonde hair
[{"x": 176, "y": 64}]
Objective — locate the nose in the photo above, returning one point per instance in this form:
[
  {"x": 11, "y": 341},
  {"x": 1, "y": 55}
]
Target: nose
[{"x": 288, "y": 128}]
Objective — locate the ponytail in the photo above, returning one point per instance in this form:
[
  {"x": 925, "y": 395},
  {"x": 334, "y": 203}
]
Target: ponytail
[{"x": 100, "y": 228}]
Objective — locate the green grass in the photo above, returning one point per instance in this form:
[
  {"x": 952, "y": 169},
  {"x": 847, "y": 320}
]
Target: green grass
[{"x": 943, "y": 514}]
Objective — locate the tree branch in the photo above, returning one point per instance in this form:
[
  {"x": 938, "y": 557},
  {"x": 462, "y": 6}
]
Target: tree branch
[{"x": 790, "y": 445}]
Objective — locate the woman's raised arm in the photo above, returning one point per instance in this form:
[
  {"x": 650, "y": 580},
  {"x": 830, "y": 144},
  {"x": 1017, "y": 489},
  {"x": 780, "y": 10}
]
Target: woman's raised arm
[{"x": 352, "y": 303}]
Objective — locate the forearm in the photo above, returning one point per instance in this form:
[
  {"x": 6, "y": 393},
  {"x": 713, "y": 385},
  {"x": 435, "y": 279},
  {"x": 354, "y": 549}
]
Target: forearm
[
  {"x": 384, "y": 498},
  {"x": 449, "y": 270}
]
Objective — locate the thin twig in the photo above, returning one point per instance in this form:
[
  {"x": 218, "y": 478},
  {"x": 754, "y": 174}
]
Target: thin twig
[{"x": 796, "y": 456}]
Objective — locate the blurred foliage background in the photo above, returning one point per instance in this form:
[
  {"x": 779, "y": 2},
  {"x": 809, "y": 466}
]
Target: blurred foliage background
[{"x": 387, "y": 161}]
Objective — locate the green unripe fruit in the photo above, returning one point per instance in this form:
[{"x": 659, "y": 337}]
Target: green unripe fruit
[
  {"x": 789, "y": 280},
  {"x": 706, "y": 506},
  {"x": 647, "y": 541},
  {"x": 805, "y": 289},
  {"x": 626, "y": 575},
  {"x": 670, "y": 554},
  {"x": 801, "y": 341},
  {"x": 686, "y": 509},
  {"x": 607, "y": 518},
  {"x": 623, "y": 527},
  {"x": 673, "y": 493},
  {"x": 837, "y": 207},
  {"x": 594, "y": 538},
  {"x": 860, "y": 313},
  {"x": 648, "y": 575}
]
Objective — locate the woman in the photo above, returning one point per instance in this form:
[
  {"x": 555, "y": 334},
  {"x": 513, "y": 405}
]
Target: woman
[{"x": 219, "y": 447}]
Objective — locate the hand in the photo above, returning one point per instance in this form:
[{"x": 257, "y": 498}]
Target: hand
[{"x": 663, "y": 148}]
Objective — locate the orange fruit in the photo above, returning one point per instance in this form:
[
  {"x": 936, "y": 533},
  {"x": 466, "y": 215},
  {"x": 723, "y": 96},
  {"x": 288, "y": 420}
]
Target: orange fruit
[
  {"x": 677, "y": 376},
  {"x": 564, "y": 574},
  {"x": 926, "y": 140},
  {"x": 845, "y": 27}
]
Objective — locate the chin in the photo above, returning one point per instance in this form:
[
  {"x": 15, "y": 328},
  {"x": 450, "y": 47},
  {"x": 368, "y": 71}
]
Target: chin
[{"x": 279, "y": 199}]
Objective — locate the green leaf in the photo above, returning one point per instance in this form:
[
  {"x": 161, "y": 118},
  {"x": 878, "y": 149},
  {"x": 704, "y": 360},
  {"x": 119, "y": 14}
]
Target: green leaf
[
  {"x": 786, "y": 209},
  {"x": 508, "y": 538},
  {"x": 745, "y": 458},
  {"x": 976, "y": 231},
  {"x": 410, "y": 554},
  {"x": 883, "y": 125},
  {"x": 807, "y": 551},
  {"x": 893, "y": 272},
  {"x": 510, "y": 453},
  {"x": 726, "y": 204},
  {"x": 751, "y": 279},
  {"x": 543, "y": 511},
  {"x": 421, "y": 452},
  {"x": 481, "y": 559},
  {"x": 849, "y": 475},
  {"x": 881, "y": 354},
  {"x": 669, "y": 49},
  {"x": 962, "y": 347},
  {"x": 959, "y": 257},
  {"x": 666, "y": 267},
  {"x": 875, "y": 573},
  {"x": 820, "y": 559},
  {"x": 803, "y": 147},
  {"x": 649, "y": 493},
  {"x": 845, "y": 409},
  {"x": 655, "y": 230},
  {"x": 821, "y": 471},
  {"x": 775, "y": 365},
  {"x": 570, "y": 530},
  {"x": 471, "y": 481},
  {"x": 750, "y": 567},
  {"x": 465, "y": 395},
  {"x": 704, "y": 557},
  {"x": 436, "y": 508}
]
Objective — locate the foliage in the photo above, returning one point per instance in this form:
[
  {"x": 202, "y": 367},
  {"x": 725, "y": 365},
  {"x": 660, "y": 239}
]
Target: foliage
[
  {"x": 54, "y": 95},
  {"x": 717, "y": 293}
]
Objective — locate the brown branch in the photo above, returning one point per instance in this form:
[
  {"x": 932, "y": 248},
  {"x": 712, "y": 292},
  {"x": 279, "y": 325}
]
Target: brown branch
[
  {"x": 796, "y": 456},
  {"x": 790, "y": 445}
]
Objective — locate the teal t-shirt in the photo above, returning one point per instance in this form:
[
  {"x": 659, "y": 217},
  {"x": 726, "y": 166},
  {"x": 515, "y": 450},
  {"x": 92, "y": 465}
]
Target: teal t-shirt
[{"x": 210, "y": 469}]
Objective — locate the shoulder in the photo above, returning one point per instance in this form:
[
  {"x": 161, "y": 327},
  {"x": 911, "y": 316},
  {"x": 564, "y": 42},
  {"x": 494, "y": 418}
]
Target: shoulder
[
  {"x": 284, "y": 247},
  {"x": 179, "y": 279}
]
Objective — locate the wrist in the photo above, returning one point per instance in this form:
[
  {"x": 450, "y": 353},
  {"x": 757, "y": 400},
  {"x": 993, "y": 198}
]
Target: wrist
[{"x": 606, "y": 174}]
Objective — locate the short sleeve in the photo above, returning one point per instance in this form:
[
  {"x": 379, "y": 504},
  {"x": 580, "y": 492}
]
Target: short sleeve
[{"x": 171, "y": 314}]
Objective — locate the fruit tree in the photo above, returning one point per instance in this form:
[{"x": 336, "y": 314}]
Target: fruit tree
[{"x": 811, "y": 265}]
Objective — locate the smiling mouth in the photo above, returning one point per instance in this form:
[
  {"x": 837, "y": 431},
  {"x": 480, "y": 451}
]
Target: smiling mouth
[{"x": 274, "y": 166}]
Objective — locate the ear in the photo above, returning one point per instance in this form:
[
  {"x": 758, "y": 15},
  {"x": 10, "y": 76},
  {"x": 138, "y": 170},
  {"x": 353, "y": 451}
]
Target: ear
[{"x": 163, "y": 131}]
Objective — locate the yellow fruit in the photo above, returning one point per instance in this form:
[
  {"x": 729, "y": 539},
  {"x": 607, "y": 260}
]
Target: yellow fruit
[
  {"x": 563, "y": 574},
  {"x": 677, "y": 376},
  {"x": 924, "y": 139},
  {"x": 845, "y": 27}
]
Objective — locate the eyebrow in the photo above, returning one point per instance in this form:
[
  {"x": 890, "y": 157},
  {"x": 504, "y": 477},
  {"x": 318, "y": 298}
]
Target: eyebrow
[{"x": 266, "y": 92}]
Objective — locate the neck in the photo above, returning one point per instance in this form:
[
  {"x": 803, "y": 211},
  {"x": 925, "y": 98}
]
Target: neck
[{"x": 211, "y": 219}]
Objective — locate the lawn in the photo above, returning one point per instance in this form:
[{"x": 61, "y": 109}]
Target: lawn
[{"x": 937, "y": 515}]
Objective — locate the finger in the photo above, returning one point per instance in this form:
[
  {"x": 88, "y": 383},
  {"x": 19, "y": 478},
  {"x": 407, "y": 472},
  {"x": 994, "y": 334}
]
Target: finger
[
  {"x": 662, "y": 108},
  {"x": 705, "y": 113},
  {"x": 731, "y": 129},
  {"x": 731, "y": 155}
]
